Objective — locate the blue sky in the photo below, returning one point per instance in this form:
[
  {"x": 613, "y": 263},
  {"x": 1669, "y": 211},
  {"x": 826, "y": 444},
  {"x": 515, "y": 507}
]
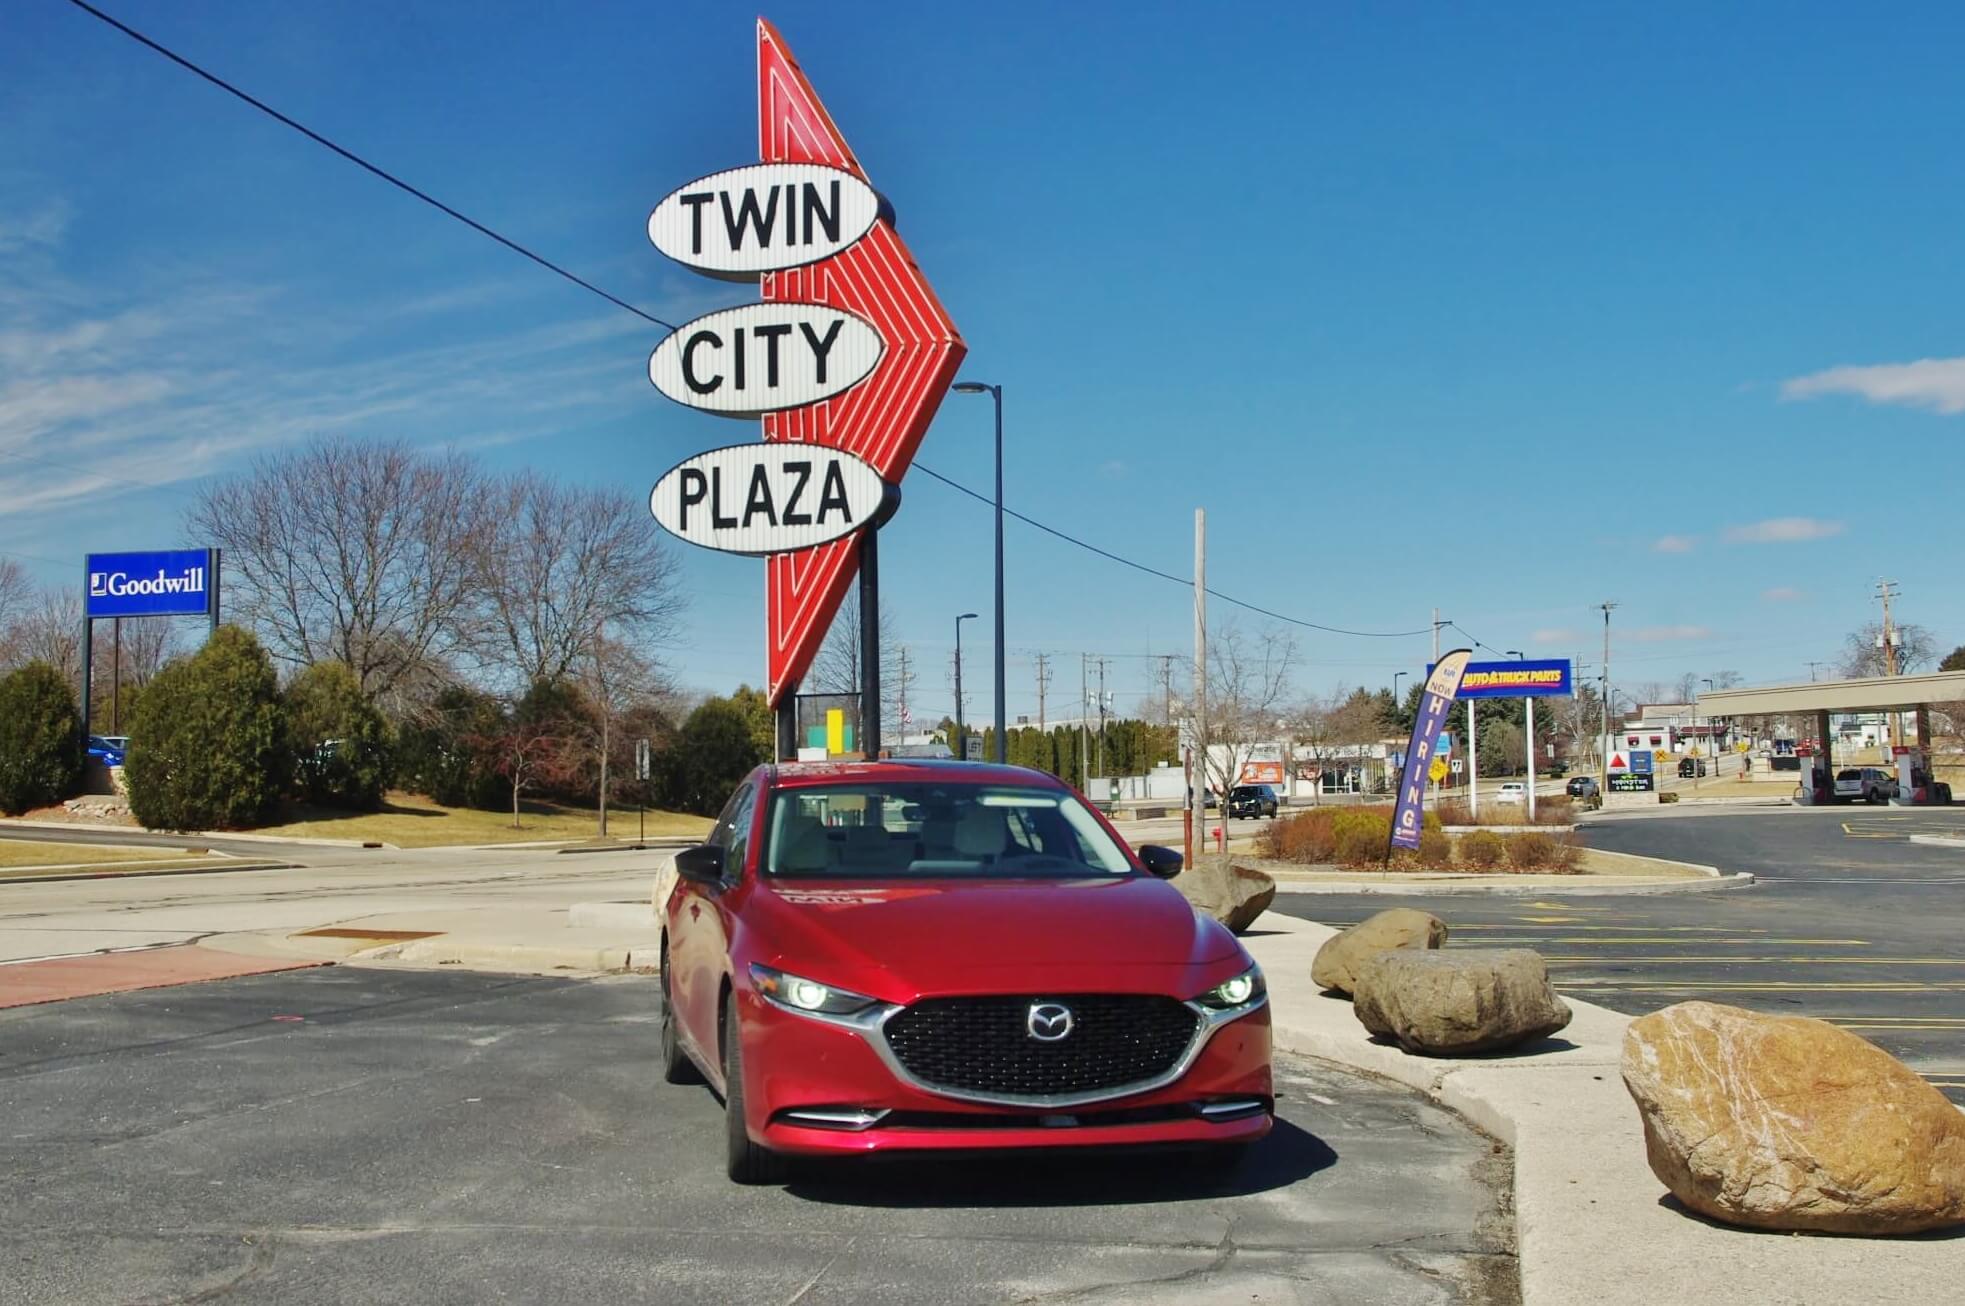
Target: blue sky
[{"x": 1507, "y": 311}]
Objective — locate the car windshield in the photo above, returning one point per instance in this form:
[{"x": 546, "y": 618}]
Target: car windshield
[
  {"x": 882, "y": 831},
  {"x": 1247, "y": 791}
]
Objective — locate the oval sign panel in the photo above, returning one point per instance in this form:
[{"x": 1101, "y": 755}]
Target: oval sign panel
[
  {"x": 768, "y": 498},
  {"x": 763, "y": 218},
  {"x": 745, "y": 362}
]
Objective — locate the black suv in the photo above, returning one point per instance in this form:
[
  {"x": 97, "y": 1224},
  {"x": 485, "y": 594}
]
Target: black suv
[
  {"x": 1252, "y": 800},
  {"x": 1690, "y": 767}
]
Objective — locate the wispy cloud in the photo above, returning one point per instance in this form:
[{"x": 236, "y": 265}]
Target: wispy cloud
[
  {"x": 1785, "y": 530},
  {"x": 1554, "y": 635},
  {"x": 1672, "y": 544},
  {"x": 1112, "y": 469},
  {"x": 1934, "y": 383},
  {"x": 1782, "y": 594},
  {"x": 186, "y": 377},
  {"x": 1668, "y": 634},
  {"x": 41, "y": 226}
]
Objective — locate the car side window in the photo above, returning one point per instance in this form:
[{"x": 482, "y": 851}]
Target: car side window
[{"x": 737, "y": 834}]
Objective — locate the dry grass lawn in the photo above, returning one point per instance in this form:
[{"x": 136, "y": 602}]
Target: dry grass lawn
[
  {"x": 26, "y": 852},
  {"x": 412, "y": 821}
]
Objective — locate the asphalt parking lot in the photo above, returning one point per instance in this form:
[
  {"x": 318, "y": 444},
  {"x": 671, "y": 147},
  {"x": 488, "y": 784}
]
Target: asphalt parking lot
[
  {"x": 1849, "y": 922},
  {"x": 358, "y": 1135}
]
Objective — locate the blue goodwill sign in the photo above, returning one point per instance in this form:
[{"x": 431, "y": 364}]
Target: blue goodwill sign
[
  {"x": 177, "y": 582},
  {"x": 1441, "y": 686}
]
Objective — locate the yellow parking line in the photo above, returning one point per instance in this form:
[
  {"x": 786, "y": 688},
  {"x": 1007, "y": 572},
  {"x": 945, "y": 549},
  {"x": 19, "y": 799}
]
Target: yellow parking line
[
  {"x": 1660, "y": 929},
  {"x": 1594, "y": 984},
  {"x": 1743, "y": 941},
  {"x": 1758, "y": 961}
]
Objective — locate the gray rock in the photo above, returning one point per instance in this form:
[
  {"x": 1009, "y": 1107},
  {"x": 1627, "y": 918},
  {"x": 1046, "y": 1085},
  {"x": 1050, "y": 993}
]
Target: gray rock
[
  {"x": 1336, "y": 966},
  {"x": 1234, "y": 895},
  {"x": 1783, "y": 1122},
  {"x": 1457, "y": 1003}
]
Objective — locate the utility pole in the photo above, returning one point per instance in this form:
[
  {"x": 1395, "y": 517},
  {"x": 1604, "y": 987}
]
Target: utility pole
[
  {"x": 600, "y": 682},
  {"x": 1084, "y": 714},
  {"x": 1811, "y": 670},
  {"x": 1604, "y": 699},
  {"x": 1197, "y": 711},
  {"x": 1043, "y": 680},
  {"x": 1886, "y": 590},
  {"x": 1167, "y": 684},
  {"x": 901, "y": 708},
  {"x": 1101, "y": 716},
  {"x": 1436, "y": 638}
]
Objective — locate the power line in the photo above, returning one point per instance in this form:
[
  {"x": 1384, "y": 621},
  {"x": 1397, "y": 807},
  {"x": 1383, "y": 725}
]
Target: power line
[
  {"x": 389, "y": 177},
  {"x": 362, "y": 163}
]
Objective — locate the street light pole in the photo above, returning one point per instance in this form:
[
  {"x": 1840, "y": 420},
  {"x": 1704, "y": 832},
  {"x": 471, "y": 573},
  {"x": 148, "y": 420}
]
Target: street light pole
[
  {"x": 1712, "y": 749},
  {"x": 961, "y": 739},
  {"x": 996, "y": 392}
]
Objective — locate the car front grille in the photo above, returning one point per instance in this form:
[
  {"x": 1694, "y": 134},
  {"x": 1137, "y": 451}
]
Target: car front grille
[{"x": 983, "y": 1045}]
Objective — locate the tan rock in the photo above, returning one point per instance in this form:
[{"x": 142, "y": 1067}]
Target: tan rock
[
  {"x": 1449, "y": 1004},
  {"x": 1234, "y": 895},
  {"x": 1337, "y": 961},
  {"x": 1783, "y": 1122}
]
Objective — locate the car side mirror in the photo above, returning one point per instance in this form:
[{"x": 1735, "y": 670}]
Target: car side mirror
[
  {"x": 1163, "y": 862},
  {"x": 702, "y": 864}
]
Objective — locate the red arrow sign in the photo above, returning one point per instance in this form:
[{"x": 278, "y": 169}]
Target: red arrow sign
[{"x": 883, "y": 418}]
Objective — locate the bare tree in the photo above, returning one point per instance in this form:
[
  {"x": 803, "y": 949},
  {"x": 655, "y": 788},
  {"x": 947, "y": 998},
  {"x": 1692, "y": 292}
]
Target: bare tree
[
  {"x": 559, "y": 561},
  {"x": 49, "y": 630},
  {"x": 356, "y": 551},
  {"x": 16, "y": 593},
  {"x": 1248, "y": 690},
  {"x": 836, "y": 666},
  {"x": 1335, "y": 729},
  {"x": 1862, "y": 651}
]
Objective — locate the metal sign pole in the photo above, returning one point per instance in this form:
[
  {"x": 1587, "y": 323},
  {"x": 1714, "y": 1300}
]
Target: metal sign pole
[
  {"x": 869, "y": 740},
  {"x": 788, "y": 722}
]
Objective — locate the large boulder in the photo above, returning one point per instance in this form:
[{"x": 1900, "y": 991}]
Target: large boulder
[
  {"x": 1783, "y": 1122},
  {"x": 1459, "y": 1002},
  {"x": 1234, "y": 895},
  {"x": 1336, "y": 964}
]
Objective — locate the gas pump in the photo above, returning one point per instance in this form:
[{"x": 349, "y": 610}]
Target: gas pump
[
  {"x": 1817, "y": 786},
  {"x": 1915, "y": 785}
]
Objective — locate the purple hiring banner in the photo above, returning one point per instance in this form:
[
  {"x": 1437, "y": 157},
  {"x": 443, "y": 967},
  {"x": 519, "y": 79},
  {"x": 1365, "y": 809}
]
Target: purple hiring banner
[{"x": 1441, "y": 686}]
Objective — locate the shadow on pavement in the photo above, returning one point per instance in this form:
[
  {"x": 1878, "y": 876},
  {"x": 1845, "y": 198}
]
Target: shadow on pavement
[
  {"x": 1064, "y": 1177},
  {"x": 1671, "y": 1203}
]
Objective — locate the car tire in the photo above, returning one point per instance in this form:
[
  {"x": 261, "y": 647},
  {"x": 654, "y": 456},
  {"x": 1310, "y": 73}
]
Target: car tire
[
  {"x": 677, "y": 1068},
  {"x": 744, "y": 1160}
]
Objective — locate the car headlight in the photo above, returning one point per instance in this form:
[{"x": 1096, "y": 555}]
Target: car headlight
[
  {"x": 800, "y": 994},
  {"x": 1238, "y": 992}
]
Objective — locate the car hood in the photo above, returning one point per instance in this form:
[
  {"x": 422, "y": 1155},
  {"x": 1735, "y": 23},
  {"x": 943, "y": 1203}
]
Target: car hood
[{"x": 900, "y": 939}]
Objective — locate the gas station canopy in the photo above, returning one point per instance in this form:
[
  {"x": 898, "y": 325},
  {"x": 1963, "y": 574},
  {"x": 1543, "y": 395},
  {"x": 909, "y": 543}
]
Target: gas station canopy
[{"x": 1871, "y": 694}]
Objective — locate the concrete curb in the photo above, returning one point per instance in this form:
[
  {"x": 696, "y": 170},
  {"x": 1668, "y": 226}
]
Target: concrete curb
[
  {"x": 108, "y": 874},
  {"x": 1591, "y": 1223},
  {"x": 1940, "y": 840},
  {"x": 1578, "y": 886}
]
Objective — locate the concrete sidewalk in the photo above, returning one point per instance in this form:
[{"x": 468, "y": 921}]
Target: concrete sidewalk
[{"x": 1592, "y": 1222}]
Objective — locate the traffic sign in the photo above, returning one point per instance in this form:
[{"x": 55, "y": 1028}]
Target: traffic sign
[
  {"x": 1437, "y": 770},
  {"x": 766, "y": 498},
  {"x": 1458, "y": 766},
  {"x": 882, "y": 419},
  {"x": 641, "y": 759},
  {"x": 743, "y": 222}
]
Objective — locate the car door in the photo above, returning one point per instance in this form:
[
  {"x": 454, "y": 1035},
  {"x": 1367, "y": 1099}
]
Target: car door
[
  {"x": 701, "y": 931},
  {"x": 694, "y": 962}
]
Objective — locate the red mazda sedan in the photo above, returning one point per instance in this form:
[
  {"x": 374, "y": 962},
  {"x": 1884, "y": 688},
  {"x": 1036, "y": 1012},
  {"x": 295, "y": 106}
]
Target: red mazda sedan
[{"x": 877, "y": 956}]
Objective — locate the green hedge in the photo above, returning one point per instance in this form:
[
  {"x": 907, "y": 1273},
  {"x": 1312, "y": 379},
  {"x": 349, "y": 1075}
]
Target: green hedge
[
  {"x": 40, "y": 739},
  {"x": 208, "y": 746}
]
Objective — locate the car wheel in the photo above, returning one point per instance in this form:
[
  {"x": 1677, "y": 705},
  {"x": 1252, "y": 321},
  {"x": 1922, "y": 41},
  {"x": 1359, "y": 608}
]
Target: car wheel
[
  {"x": 677, "y": 1068},
  {"x": 1873, "y": 797},
  {"x": 744, "y": 1160}
]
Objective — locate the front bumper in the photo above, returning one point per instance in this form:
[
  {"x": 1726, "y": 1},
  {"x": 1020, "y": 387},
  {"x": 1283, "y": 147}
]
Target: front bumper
[{"x": 820, "y": 1087}]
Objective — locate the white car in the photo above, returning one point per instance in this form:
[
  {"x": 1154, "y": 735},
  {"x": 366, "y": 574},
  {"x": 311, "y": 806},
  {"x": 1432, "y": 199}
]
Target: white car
[{"x": 1512, "y": 792}]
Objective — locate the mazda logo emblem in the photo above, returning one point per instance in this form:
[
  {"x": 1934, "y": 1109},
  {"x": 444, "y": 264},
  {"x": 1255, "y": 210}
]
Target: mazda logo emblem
[{"x": 1048, "y": 1021}]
